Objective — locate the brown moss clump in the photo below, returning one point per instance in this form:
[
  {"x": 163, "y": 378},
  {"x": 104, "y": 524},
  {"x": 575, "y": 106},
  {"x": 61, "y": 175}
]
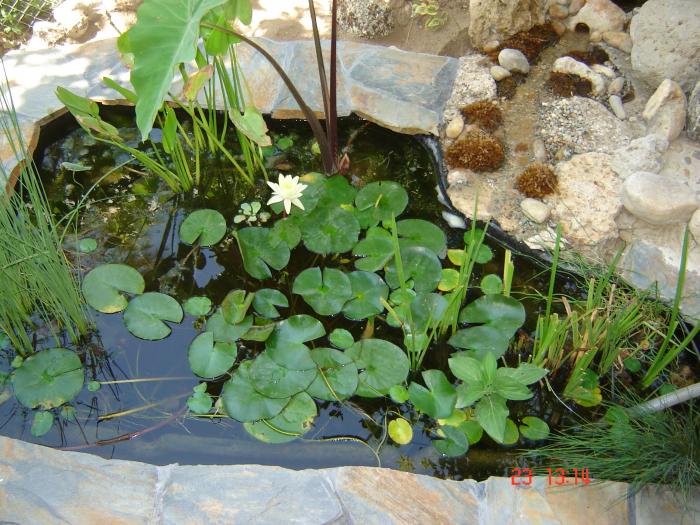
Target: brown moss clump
[
  {"x": 477, "y": 151},
  {"x": 595, "y": 55},
  {"x": 531, "y": 43},
  {"x": 507, "y": 87},
  {"x": 537, "y": 181},
  {"x": 484, "y": 113},
  {"x": 565, "y": 85}
]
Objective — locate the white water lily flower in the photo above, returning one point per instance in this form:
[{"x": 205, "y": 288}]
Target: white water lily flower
[{"x": 288, "y": 189}]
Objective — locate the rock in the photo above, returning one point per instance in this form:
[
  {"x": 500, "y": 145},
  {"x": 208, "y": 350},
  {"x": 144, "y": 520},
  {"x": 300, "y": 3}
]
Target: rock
[
  {"x": 546, "y": 240},
  {"x": 642, "y": 154},
  {"x": 665, "y": 110},
  {"x": 455, "y": 127},
  {"x": 538, "y": 150},
  {"x": 615, "y": 87},
  {"x": 473, "y": 83},
  {"x": 575, "y": 6},
  {"x": 571, "y": 66},
  {"x": 491, "y": 46},
  {"x": 596, "y": 36},
  {"x": 499, "y": 73},
  {"x": 513, "y": 60},
  {"x": 559, "y": 27},
  {"x": 606, "y": 71},
  {"x": 616, "y": 105},
  {"x": 496, "y": 19},
  {"x": 657, "y": 199},
  {"x": 694, "y": 225},
  {"x": 558, "y": 12},
  {"x": 600, "y": 16},
  {"x": 681, "y": 161},
  {"x": 459, "y": 176},
  {"x": 619, "y": 40},
  {"x": 693, "y": 122},
  {"x": 73, "y": 21},
  {"x": 366, "y": 18},
  {"x": 536, "y": 211},
  {"x": 666, "y": 42},
  {"x": 472, "y": 193}
]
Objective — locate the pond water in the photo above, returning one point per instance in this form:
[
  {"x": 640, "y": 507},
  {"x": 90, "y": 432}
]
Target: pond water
[{"x": 135, "y": 220}]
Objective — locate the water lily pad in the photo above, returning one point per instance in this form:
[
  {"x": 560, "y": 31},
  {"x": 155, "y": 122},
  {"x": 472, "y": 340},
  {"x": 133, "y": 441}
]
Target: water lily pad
[
  {"x": 87, "y": 245},
  {"x": 400, "y": 431},
  {"x": 48, "y": 378},
  {"x": 449, "y": 280},
  {"x": 427, "y": 310},
  {"x": 102, "y": 287},
  {"x": 294, "y": 421},
  {"x": 260, "y": 254},
  {"x": 200, "y": 402},
  {"x": 286, "y": 231},
  {"x": 381, "y": 201},
  {"x": 337, "y": 378},
  {"x": 417, "y": 232},
  {"x": 438, "y": 399},
  {"x": 453, "y": 444},
  {"x": 266, "y": 301},
  {"x": 374, "y": 251},
  {"x": 534, "y": 428},
  {"x": 209, "y": 359},
  {"x": 276, "y": 381},
  {"x": 326, "y": 292},
  {"x": 298, "y": 329},
  {"x": 330, "y": 230},
  {"x": 398, "y": 394},
  {"x": 511, "y": 434},
  {"x": 383, "y": 365},
  {"x": 146, "y": 315},
  {"x": 43, "y": 421},
  {"x": 491, "y": 284},
  {"x": 235, "y": 306},
  {"x": 197, "y": 306},
  {"x": 341, "y": 338},
  {"x": 207, "y": 227},
  {"x": 472, "y": 429},
  {"x": 245, "y": 404},
  {"x": 259, "y": 332},
  {"x": 419, "y": 264},
  {"x": 368, "y": 290},
  {"x": 225, "y": 332}
]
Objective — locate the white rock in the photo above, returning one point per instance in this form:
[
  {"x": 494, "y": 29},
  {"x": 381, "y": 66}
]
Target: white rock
[
  {"x": 600, "y": 16},
  {"x": 465, "y": 197},
  {"x": 513, "y": 60},
  {"x": 558, "y": 12},
  {"x": 666, "y": 109},
  {"x": 658, "y": 200},
  {"x": 571, "y": 66},
  {"x": 619, "y": 40},
  {"x": 642, "y": 154},
  {"x": 491, "y": 45},
  {"x": 596, "y": 36},
  {"x": 693, "y": 125},
  {"x": 458, "y": 176},
  {"x": 455, "y": 127},
  {"x": 536, "y": 211},
  {"x": 559, "y": 27},
  {"x": 499, "y": 73},
  {"x": 604, "y": 70},
  {"x": 488, "y": 21},
  {"x": 454, "y": 221},
  {"x": 615, "y": 87},
  {"x": 616, "y": 105},
  {"x": 539, "y": 152},
  {"x": 666, "y": 42},
  {"x": 546, "y": 240},
  {"x": 694, "y": 226},
  {"x": 575, "y": 6}
]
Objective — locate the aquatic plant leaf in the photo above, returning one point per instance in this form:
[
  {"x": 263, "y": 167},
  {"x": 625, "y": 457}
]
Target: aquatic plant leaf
[
  {"x": 146, "y": 315},
  {"x": 72, "y": 166},
  {"x": 200, "y": 402},
  {"x": 298, "y": 329},
  {"x": 483, "y": 253},
  {"x": 491, "y": 284},
  {"x": 207, "y": 227},
  {"x": 491, "y": 413},
  {"x": 482, "y": 340},
  {"x": 102, "y": 286},
  {"x": 584, "y": 389},
  {"x": 341, "y": 338},
  {"x": 276, "y": 381},
  {"x": 295, "y": 420},
  {"x": 381, "y": 201},
  {"x": 383, "y": 365},
  {"x": 472, "y": 429},
  {"x": 368, "y": 289},
  {"x": 438, "y": 400},
  {"x": 418, "y": 232},
  {"x": 337, "y": 375},
  {"x": 209, "y": 359},
  {"x": 398, "y": 394},
  {"x": 94, "y": 386},
  {"x": 632, "y": 364},
  {"x": 225, "y": 332},
  {"x": 525, "y": 373},
  {"x": 164, "y": 36},
  {"x": 266, "y": 301},
  {"x": 286, "y": 231},
  {"x": 510, "y": 388},
  {"x": 427, "y": 310},
  {"x": 400, "y": 431},
  {"x": 470, "y": 393},
  {"x": 252, "y": 124},
  {"x": 197, "y": 306},
  {"x": 49, "y": 378},
  {"x": 259, "y": 332},
  {"x": 235, "y": 306},
  {"x": 453, "y": 444},
  {"x": 87, "y": 245},
  {"x": 196, "y": 82},
  {"x": 326, "y": 292},
  {"x": 294, "y": 356},
  {"x": 87, "y": 114},
  {"x": 330, "y": 230},
  {"x": 43, "y": 421},
  {"x": 449, "y": 280},
  {"x": 419, "y": 264},
  {"x": 259, "y": 254},
  {"x": 534, "y": 428},
  {"x": 245, "y": 404},
  {"x": 374, "y": 251},
  {"x": 511, "y": 434}
]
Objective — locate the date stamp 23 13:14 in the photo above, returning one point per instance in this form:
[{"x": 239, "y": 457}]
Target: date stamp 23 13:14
[{"x": 523, "y": 477}]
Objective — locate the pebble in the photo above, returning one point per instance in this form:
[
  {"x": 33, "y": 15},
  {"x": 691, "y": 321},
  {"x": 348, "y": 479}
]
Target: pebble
[
  {"x": 539, "y": 151},
  {"x": 491, "y": 46},
  {"x": 455, "y": 127},
  {"x": 571, "y": 66},
  {"x": 596, "y": 36},
  {"x": 604, "y": 70},
  {"x": 615, "y": 87},
  {"x": 575, "y": 6},
  {"x": 616, "y": 105},
  {"x": 458, "y": 176},
  {"x": 513, "y": 60},
  {"x": 666, "y": 110},
  {"x": 657, "y": 199},
  {"x": 619, "y": 40},
  {"x": 558, "y": 11},
  {"x": 536, "y": 211},
  {"x": 559, "y": 27},
  {"x": 499, "y": 73}
]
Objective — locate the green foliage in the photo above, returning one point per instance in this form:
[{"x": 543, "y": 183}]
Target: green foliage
[
  {"x": 400, "y": 431},
  {"x": 210, "y": 359},
  {"x": 205, "y": 227},
  {"x": 200, "y": 402},
  {"x": 197, "y": 306},
  {"x": 146, "y": 315},
  {"x": 48, "y": 379},
  {"x": 43, "y": 421},
  {"x": 104, "y": 285}
]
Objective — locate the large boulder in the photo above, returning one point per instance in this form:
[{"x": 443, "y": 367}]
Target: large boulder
[
  {"x": 497, "y": 19},
  {"x": 666, "y": 42}
]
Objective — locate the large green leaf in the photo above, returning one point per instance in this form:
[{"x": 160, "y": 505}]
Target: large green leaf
[
  {"x": 225, "y": 332},
  {"x": 146, "y": 315},
  {"x": 235, "y": 306},
  {"x": 380, "y": 201},
  {"x": 276, "y": 381},
  {"x": 326, "y": 292},
  {"x": 383, "y": 365},
  {"x": 103, "y": 284},
  {"x": 266, "y": 301},
  {"x": 374, "y": 251},
  {"x": 510, "y": 388},
  {"x": 454, "y": 442},
  {"x": 209, "y": 359},
  {"x": 48, "y": 379},
  {"x": 294, "y": 421},
  {"x": 534, "y": 428},
  {"x": 297, "y": 329},
  {"x": 87, "y": 114},
  {"x": 259, "y": 254},
  {"x": 419, "y": 264},
  {"x": 43, "y": 421},
  {"x": 341, "y": 338},
  {"x": 252, "y": 124},
  {"x": 330, "y": 230},
  {"x": 286, "y": 231},
  {"x": 526, "y": 373},
  {"x": 243, "y": 403},
  {"x": 438, "y": 400},
  {"x": 368, "y": 289},
  {"x": 197, "y": 306},
  {"x": 417, "y": 232},
  {"x": 337, "y": 375},
  {"x": 465, "y": 367},
  {"x": 206, "y": 226},
  {"x": 164, "y": 36},
  {"x": 491, "y": 413}
]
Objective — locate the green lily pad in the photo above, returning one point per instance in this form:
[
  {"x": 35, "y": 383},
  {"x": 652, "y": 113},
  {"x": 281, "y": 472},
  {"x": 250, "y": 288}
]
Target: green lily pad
[
  {"x": 368, "y": 289},
  {"x": 400, "y": 431},
  {"x": 337, "y": 378},
  {"x": 534, "y": 428},
  {"x": 245, "y": 404},
  {"x": 419, "y": 264},
  {"x": 511, "y": 434},
  {"x": 491, "y": 284},
  {"x": 449, "y": 280},
  {"x": 294, "y": 421},
  {"x": 417, "y": 232},
  {"x": 266, "y": 301},
  {"x": 43, "y": 421},
  {"x": 276, "y": 381},
  {"x": 383, "y": 365},
  {"x": 374, "y": 251},
  {"x": 235, "y": 306},
  {"x": 438, "y": 400},
  {"x": 341, "y": 338},
  {"x": 146, "y": 315},
  {"x": 259, "y": 332},
  {"x": 94, "y": 386},
  {"x": 427, "y": 310},
  {"x": 398, "y": 394},
  {"x": 225, "y": 332},
  {"x": 103, "y": 284},
  {"x": 285, "y": 231},
  {"x": 325, "y": 292},
  {"x": 197, "y": 306},
  {"x": 87, "y": 245},
  {"x": 200, "y": 402},
  {"x": 206, "y": 226},
  {"x": 472, "y": 429},
  {"x": 285, "y": 346},
  {"x": 48, "y": 378},
  {"x": 260, "y": 254},
  {"x": 453, "y": 444},
  {"x": 330, "y": 230},
  {"x": 209, "y": 359},
  {"x": 381, "y": 201}
]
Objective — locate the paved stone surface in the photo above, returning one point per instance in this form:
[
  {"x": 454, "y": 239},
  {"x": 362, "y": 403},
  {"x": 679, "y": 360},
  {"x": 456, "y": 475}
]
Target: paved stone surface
[{"x": 8, "y": 153}]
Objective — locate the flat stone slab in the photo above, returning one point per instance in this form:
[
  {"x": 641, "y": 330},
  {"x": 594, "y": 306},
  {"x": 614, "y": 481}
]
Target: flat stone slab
[{"x": 43, "y": 486}]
